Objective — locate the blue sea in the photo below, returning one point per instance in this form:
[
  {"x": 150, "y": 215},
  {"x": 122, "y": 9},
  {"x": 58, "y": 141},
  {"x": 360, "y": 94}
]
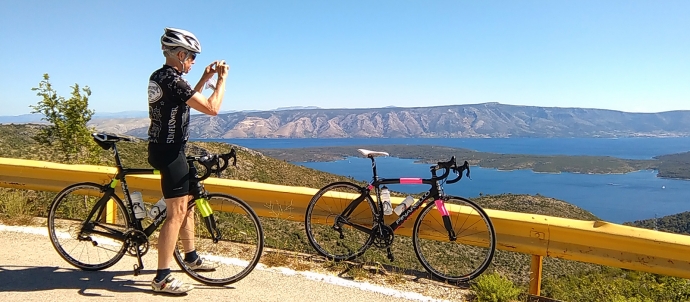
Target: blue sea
[{"x": 614, "y": 197}]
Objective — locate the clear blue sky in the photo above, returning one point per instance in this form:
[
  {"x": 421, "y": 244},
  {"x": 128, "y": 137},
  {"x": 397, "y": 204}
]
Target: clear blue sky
[{"x": 623, "y": 55}]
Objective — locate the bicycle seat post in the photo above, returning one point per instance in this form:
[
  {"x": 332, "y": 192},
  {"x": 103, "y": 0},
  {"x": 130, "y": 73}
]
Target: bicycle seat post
[
  {"x": 373, "y": 168},
  {"x": 118, "y": 161}
]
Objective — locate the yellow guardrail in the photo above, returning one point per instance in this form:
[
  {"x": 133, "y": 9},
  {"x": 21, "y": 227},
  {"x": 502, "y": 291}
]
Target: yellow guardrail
[{"x": 596, "y": 242}]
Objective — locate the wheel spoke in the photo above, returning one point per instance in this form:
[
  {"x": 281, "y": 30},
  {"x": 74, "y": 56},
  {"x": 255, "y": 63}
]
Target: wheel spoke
[
  {"x": 238, "y": 251},
  {"x": 466, "y": 257},
  {"x": 343, "y": 241},
  {"x": 67, "y": 215}
]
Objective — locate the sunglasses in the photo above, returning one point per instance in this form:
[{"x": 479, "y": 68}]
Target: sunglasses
[{"x": 192, "y": 55}]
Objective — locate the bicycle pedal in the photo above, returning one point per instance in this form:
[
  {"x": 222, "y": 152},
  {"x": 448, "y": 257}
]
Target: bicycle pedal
[{"x": 137, "y": 270}]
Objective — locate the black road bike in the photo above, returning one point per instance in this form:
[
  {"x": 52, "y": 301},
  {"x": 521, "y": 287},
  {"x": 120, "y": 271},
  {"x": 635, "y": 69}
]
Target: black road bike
[
  {"x": 453, "y": 237},
  {"x": 92, "y": 228}
]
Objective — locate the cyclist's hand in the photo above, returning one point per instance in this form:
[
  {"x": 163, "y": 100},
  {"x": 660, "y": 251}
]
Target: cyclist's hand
[
  {"x": 211, "y": 68},
  {"x": 209, "y": 71},
  {"x": 222, "y": 69}
]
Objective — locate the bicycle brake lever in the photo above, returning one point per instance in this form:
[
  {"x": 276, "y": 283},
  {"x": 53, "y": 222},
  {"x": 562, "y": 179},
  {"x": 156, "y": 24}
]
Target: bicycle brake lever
[
  {"x": 458, "y": 171},
  {"x": 467, "y": 166}
]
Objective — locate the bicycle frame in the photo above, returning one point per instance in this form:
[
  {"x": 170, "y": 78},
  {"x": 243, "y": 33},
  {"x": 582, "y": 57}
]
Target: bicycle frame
[{"x": 435, "y": 193}]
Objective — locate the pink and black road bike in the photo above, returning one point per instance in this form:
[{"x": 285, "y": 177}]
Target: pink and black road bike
[{"x": 453, "y": 237}]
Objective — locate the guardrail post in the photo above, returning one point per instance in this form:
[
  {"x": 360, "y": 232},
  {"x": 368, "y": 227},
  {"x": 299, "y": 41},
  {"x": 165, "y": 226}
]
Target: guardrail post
[
  {"x": 535, "y": 275},
  {"x": 110, "y": 212}
]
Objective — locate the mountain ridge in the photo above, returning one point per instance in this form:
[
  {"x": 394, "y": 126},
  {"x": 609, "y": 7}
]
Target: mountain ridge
[{"x": 485, "y": 120}]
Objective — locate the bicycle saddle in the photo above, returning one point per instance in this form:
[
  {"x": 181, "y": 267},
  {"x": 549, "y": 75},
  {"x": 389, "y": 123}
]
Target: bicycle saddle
[
  {"x": 369, "y": 153},
  {"x": 107, "y": 140}
]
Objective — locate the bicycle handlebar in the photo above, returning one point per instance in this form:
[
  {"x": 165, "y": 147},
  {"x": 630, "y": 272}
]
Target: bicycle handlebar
[
  {"x": 213, "y": 163},
  {"x": 448, "y": 166}
]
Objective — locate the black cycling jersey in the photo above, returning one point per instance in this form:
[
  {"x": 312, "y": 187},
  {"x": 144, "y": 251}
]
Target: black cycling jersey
[{"x": 168, "y": 109}]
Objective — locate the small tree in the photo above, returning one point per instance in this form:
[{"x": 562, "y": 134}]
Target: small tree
[{"x": 68, "y": 132}]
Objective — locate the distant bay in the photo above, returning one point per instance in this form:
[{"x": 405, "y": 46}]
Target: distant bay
[
  {"x": 615, "y": 197},
  {"x": 630, "y": 148}
]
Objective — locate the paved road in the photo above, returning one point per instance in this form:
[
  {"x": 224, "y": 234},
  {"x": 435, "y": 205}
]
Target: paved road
[{"x": 31, "y": 270}]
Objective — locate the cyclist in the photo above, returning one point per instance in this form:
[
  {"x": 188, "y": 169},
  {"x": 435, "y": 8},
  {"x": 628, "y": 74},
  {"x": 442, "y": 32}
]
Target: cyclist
[{"x": 170, "y": 97}]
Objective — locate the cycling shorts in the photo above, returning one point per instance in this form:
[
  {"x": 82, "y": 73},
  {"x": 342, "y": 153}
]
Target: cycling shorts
[{"x": 171, "y": 161}]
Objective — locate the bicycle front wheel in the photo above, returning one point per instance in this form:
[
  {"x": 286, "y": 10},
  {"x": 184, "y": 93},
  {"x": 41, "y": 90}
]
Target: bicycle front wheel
[
  {"x": 457, "y": 259},
  {"x": 331, "y": 232},
  {"x": 87, "y": 242},
  {"x": 237, "y": 251}
]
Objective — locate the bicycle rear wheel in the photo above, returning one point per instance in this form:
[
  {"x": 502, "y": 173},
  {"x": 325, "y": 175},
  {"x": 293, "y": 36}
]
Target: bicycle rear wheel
[
  {"x": 330, "y": 233},
  {"x": 466, "y": 257},
  {"x": 238, "y": 250},
  {"x": 85, "y": 244}
]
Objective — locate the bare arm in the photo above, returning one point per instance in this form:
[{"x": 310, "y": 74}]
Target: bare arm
[{"x": 210, "y": 106}]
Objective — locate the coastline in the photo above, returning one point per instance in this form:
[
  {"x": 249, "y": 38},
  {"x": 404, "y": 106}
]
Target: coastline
[{"x": 593, "y": 165}]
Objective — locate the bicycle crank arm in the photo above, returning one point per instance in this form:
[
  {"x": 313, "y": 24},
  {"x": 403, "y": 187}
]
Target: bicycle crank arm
[
  {"x": 140, "y": 266},
  {"x": 340, "y": 231}
]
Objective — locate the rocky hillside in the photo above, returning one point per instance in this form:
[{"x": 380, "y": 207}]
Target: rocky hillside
[
  {"x": 478, "y": 120},
  {"x": 676, "y": 223}
]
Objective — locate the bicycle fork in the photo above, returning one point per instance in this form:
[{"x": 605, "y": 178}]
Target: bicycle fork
[
  {"x": 440, "y": 205},
  {"x": 210, "y": 221}
]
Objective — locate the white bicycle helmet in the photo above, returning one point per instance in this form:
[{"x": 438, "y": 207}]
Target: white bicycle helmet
[{"x": 174, "y": 37}]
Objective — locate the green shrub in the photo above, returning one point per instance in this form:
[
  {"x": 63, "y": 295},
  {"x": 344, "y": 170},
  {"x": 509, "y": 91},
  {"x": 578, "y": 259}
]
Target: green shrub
[
  {"x": 614, "y": 284},
  {"x": 634, "y": 299},
  {"x": 495, "y": 288}
]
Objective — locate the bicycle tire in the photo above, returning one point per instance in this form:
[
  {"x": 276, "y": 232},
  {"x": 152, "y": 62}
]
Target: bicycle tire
[
  {"x": 466, "y": 258},
  {"x": 67, "y": 215},
  {"x": 324, "y": 207},
  {"x": 237, "y": 252}
]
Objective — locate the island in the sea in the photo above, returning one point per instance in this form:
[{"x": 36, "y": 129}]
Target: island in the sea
[{"x": 668, "y": 166}]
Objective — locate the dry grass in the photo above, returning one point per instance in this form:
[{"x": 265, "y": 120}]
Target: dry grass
[
  {"x": 358, "y": 272},
  {"x": 274, "y": 259},
  {"x": 20, "y": 220},
  {"x": 295, "y": 261},
  {"x": 15, "y": 208},
  {"x": 395, "y": 278},
  {"x": 333, "y": 266}
]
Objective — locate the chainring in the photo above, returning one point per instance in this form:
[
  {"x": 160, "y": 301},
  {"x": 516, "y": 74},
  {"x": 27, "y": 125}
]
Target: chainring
[
  {"x": 383, "y": 236},
  {"x": 136, "y": 239}
]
